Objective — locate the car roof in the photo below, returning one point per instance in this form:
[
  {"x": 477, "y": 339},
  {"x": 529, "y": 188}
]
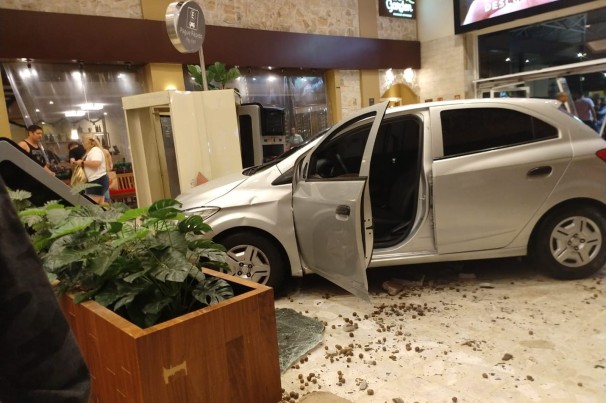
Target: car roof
[{"x": 534, "y": 103}]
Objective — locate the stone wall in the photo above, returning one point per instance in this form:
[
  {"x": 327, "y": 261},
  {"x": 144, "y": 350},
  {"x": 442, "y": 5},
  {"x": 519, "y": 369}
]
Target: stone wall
[
  {"x": 104, "y": 8},
  {"x": 396, "y": 28},
  {"x": 334, "y": 17},
  {"x": 443, "y": 72},
  {"x": 351, "y": 98}
]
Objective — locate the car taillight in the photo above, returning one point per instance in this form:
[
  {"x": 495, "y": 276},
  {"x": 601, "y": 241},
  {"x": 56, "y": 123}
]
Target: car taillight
[{"x": 601, "y": 154}]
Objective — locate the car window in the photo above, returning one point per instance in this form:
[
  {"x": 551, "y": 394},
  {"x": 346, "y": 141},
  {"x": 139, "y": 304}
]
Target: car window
[
  {"x": 478, "y": 129},
  {"x": 342, "y": 154}
]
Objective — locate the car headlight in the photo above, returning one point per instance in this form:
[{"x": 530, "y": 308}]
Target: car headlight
[{"x": 204, "y": 212}]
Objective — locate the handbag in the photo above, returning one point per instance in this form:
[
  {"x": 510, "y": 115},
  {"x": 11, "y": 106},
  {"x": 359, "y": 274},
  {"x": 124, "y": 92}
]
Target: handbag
[{"x": 78, "y": 176}]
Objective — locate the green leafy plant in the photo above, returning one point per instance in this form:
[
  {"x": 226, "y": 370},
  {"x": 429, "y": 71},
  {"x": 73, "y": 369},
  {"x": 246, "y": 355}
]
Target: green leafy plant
[
  {"x": 143, "y": 263},
  {"x": 217, "y": 75}
]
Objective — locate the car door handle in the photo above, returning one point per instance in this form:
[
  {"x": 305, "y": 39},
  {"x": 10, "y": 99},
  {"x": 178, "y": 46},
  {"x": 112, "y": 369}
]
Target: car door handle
[
  {"x": 540, "y": 171},
  {"x": 343, "y": 210}
]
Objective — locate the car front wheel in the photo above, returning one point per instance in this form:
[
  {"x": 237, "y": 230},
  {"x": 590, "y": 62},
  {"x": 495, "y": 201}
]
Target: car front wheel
[
  {"x": 571, "y": 242},
  {"x": 255, "y": 257}
]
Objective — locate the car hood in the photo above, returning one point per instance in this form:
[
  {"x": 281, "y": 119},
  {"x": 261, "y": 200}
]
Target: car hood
[{"x": 204, "y": 194}]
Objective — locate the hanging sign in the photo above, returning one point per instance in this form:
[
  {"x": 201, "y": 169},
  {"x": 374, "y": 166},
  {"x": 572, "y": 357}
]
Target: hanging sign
[
  {"x": 398, "y": 8},
  {"x": 185, "y": 25}
]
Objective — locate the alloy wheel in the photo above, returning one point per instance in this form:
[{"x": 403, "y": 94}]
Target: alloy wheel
[{"x": 575, "y": 241}]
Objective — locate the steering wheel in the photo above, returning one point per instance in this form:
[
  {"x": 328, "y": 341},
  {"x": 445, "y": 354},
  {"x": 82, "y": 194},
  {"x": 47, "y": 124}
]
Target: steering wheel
[{"x": 341, "y": 163}]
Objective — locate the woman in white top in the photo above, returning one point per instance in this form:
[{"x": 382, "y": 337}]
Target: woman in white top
[{"x": 94, "y": 166}]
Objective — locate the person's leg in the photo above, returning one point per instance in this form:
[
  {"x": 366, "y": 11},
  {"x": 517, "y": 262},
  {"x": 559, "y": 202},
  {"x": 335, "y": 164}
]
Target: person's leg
[{"x": 97, "y": 193}]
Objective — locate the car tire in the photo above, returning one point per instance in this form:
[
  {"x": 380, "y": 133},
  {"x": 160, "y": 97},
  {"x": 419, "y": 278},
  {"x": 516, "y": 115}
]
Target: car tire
[
  {"x": 256, "y": 258},
  {"x": 571, "y": 242}
]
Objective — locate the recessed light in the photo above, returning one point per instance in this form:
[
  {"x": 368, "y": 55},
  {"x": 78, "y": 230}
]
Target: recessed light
[{"x": 91, "y": 106}]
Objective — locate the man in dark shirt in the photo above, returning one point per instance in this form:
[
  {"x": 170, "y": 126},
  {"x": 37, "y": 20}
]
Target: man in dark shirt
[
  {"x": 39, "y": 358},
  {"x": 33, "y": 148}
]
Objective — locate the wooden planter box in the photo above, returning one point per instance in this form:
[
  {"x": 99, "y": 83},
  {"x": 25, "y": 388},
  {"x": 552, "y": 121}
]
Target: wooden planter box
[{"x": 227, "y": 352}]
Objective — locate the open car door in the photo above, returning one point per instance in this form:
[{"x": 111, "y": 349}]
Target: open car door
[{"x": 331, "y": 202}]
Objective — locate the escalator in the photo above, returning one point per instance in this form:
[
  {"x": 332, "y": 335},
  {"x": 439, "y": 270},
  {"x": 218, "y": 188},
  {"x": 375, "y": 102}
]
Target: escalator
[{"x": 20, "y": 172}]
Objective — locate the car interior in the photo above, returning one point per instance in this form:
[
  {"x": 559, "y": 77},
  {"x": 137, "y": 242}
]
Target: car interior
[
  {"x": 394, "y": 172},
  {"x": 394, "y": 179}
]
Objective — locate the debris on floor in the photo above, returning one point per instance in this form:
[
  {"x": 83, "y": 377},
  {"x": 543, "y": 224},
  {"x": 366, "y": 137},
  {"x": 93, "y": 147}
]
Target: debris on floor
[
  {"x": 297, "y": 334},
  {"x": 504, "y": 333}
]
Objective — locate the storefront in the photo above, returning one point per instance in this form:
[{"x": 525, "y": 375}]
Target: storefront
[{"x": 562, "y": 50}]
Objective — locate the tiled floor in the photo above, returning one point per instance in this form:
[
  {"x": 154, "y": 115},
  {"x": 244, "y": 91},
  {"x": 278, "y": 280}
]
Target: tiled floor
[{"x": 483, "y": 331}]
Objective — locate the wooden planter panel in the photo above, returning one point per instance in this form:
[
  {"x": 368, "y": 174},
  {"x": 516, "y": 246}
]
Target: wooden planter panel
[{"x": 223, "y": 353}]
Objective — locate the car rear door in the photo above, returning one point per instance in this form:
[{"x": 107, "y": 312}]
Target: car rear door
[
  {"x": 331, "y": 202},
  {"x": 496, "y": 164}
]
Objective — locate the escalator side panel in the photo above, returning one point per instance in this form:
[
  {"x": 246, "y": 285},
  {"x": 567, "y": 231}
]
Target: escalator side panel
[{"x": 20, "y": 172}]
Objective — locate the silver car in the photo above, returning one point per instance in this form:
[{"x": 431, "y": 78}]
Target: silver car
[{"x": 445, "y": 181}]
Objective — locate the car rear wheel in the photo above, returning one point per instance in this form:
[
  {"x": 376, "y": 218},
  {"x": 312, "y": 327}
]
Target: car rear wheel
[
  {"x": 256, "y": 258},
  {"x": 571, "y": 242}
]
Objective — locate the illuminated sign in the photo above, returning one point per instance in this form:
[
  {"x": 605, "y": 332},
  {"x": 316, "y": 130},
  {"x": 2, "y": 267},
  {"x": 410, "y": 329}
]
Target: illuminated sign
[
  {"x": 477, "y": 14},
  {"x": 398, "y": 8}
]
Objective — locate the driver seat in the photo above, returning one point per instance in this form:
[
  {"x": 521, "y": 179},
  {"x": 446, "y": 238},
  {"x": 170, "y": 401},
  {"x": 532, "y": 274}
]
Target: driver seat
[{"x": 394, "y": 218}]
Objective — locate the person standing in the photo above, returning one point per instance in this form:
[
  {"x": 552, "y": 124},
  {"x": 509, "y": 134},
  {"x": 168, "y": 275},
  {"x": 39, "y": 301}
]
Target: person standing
[
  {"x": 585, "y": 110},
  {"x": 95, "y": 168},
  {"x": 562, "y": 97},
  {"x": 40, "y": 360},
  {"x": 32, "y": 146}
]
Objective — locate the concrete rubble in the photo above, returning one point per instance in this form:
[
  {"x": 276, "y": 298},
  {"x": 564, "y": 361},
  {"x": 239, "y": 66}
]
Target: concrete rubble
[{"x": 481, "y": 331}]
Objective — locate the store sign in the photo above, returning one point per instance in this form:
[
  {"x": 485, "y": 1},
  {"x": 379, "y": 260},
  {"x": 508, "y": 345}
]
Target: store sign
[
  {"x": 398, "y": 8},
  {"x": 185, "y": 26}
]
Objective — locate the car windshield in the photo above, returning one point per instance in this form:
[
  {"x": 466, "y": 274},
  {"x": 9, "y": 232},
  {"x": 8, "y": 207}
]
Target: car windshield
[{"x": 258, "y": 168}]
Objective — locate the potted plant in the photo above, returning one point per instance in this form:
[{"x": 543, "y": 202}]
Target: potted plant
[
  {"x": 217, "y": 75},
  {"x": 152, "y": 325}
]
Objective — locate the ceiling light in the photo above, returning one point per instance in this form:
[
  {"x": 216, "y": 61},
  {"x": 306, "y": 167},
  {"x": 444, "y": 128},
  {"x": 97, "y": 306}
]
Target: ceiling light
[
  {"x": 50, "y": 102},
  {"x": 37, "y": 110},
  {"x": 508, "y": 59},
  {"x": 91, "y": 106},
  {"x": 73, "y": 114},
  {"x": 409, "y": 75},
  {"x": 389, "y": 76}
]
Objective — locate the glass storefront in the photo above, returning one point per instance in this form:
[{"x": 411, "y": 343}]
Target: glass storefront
[
  {"x": 302, "y": 94},
  {"x": 572, "y": 41},
  {"x": 68, "y": 100},
  {"x": 566, "y": 55}
]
